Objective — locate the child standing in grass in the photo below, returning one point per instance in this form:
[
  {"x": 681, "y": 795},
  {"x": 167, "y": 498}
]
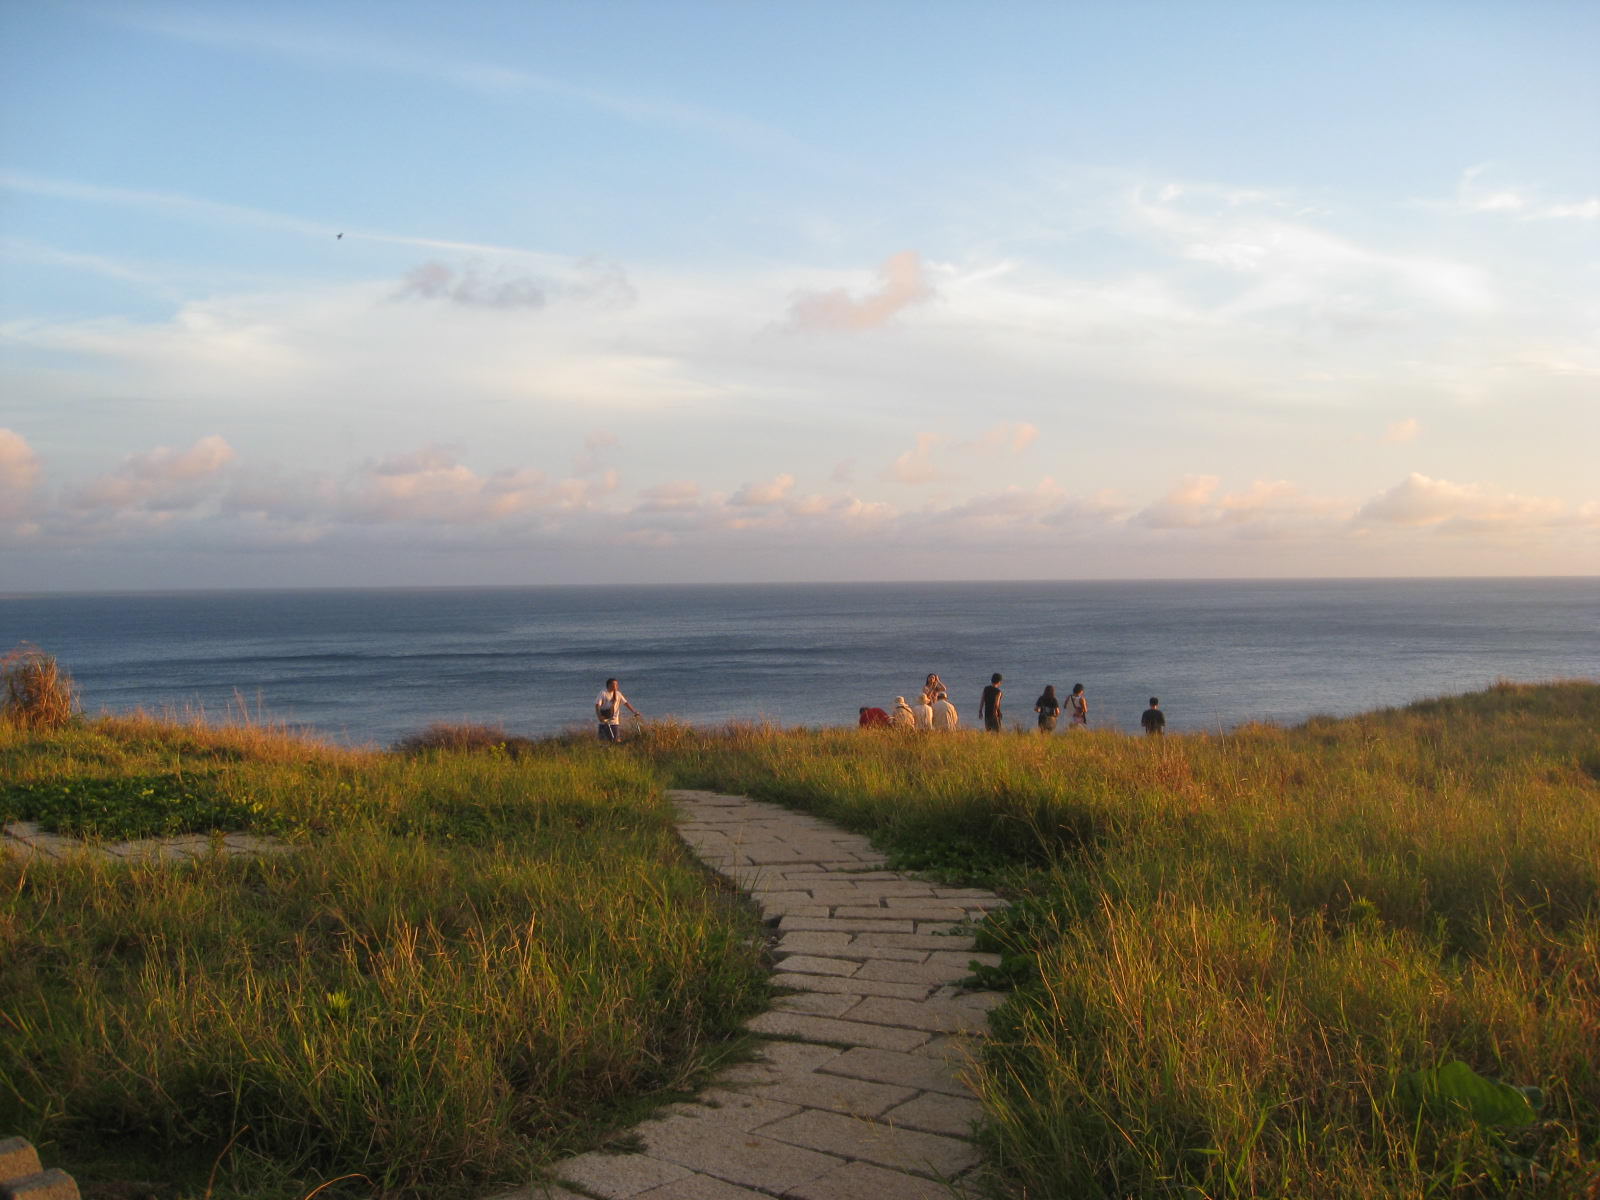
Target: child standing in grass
[
  {"x": 1079, "y": 703},
  {"x": 1153, "y": 719}
]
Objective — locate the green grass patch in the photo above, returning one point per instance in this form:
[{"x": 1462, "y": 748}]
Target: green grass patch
[{"x": 136, "y": 806}]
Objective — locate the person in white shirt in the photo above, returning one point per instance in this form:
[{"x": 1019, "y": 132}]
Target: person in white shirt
[
  {"x": 608, "y": 706},
  {"x": 924, "y": 710},
  {"x": 944, "y": 713},
  {"x": 902, "y": 717}
]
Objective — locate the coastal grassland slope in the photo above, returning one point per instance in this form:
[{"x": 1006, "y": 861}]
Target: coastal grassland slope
[
  {"x": 1244, "y": 963},
  {"x": 467, "y": 964}
]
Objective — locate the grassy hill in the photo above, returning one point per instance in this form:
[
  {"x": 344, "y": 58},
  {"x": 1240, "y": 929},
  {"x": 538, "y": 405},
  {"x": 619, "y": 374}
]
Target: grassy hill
[{"x": 1357, "y": 957}]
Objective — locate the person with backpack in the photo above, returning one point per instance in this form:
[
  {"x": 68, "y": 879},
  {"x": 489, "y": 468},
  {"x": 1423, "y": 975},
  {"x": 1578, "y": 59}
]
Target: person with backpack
[
  {"x": 608, "y": 706},
  {"x": 1048, "y": 708},
  {"x": 1079, "y": 704}
]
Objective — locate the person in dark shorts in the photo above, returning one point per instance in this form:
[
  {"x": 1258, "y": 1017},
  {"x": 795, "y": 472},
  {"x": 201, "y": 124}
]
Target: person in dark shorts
[
  {"x": 608, "y": 706},
  {"x": 989, "y": 706},
  {"x": 1153, "y": 719},
  {"x": 1048, "y": 708}
]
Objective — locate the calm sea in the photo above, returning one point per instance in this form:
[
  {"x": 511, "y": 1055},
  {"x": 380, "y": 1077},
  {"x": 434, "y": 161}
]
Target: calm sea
[{"x": 371, "y": 666}]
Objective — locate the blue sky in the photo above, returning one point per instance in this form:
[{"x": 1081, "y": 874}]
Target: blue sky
[{"x": 658, "y": 292}]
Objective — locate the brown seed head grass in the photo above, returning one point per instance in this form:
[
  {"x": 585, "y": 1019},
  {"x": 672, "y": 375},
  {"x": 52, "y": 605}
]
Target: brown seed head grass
[{"x": 38, "y": 693}]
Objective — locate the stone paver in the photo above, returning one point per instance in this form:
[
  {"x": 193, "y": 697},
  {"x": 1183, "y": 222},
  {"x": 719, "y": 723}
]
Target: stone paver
[
  {"x": 852, "y": 1138},
  {"x": 25, "y": 839},
  {"x": 937, "y": 1113},
  {"x": 857, "y": 1093},
  {"x": 863, "y": 1181}
]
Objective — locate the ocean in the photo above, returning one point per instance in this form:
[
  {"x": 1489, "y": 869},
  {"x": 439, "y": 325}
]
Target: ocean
[{"x": 369, "y": 666}]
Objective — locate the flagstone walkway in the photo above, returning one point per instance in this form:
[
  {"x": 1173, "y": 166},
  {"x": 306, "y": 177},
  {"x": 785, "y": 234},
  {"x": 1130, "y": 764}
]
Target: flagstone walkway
[
  {"x": 858, "y": 1093},
  {"x": 27, "y": 840}
]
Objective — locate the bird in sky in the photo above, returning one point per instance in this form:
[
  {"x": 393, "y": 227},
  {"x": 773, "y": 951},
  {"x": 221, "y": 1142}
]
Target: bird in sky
[{"x": 337, "y": 236}]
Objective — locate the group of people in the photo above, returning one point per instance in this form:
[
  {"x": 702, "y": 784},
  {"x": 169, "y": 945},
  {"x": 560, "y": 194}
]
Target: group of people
[{"x": 933, "y": 709}]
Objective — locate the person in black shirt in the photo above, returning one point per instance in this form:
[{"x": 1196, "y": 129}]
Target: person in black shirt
[
  {"x": 989, "y": 706},
  {"x": 1048, "y": 708},
  {"x": 1153, "y": 719}
]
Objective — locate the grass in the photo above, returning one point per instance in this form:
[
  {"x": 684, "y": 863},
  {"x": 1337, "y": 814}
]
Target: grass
[
  {"x": 37, "y": 694},
  {"x": 1231, "y": 953},
  {"x": 1312, "y": 962},
  {"x": 469, "y": 965}
]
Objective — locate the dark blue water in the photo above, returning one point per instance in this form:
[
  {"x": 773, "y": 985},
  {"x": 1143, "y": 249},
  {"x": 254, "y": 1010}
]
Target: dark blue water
[{"x": 370, "y": 666}]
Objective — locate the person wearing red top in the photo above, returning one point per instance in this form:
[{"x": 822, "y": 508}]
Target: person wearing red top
[{"x": 873, "y": 718}]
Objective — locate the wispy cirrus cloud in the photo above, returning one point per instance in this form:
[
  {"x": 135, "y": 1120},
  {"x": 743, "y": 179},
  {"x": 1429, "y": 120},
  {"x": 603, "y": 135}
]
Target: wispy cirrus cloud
[
  {"x": 318, "y": 45},
  {"x": 1479, "y": 190}
]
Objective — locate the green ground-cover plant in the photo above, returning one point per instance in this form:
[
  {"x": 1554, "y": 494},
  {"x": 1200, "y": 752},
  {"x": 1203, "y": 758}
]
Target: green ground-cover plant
[
  {"x": 1231, "y": 952},
  {"x": 466, "y": 965},
  {"x": 136, "y": 806}
]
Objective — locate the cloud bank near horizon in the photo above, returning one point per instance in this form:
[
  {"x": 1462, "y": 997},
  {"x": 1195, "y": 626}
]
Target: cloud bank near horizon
[{"x": 166, "y": 498}]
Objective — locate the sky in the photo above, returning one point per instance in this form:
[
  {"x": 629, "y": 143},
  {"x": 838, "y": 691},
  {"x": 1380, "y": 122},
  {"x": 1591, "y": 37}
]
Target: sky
[{"x": 371, "y": 294}]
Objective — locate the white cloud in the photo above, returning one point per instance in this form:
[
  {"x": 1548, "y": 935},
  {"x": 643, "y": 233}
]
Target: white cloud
[
  {"x": 1286, "y": 264},
  {"x": 1013, "y": 437},
  {"x": 1274, "y": 507},
  {"x": 916, "y": 465},
  {"x": 1419, "y": 501},
  {"x": 677, "y": 496},
  {"x": 1402, "y": 431},
  {"x": 1188, "y": 505},
  {"x": 159, "y": 479},
  {"x": 903, "y": 285},
  {"x": 763, "y": 495},
  {"x": 1523, "y": 202},
  {"x": 20, "y": 473}
]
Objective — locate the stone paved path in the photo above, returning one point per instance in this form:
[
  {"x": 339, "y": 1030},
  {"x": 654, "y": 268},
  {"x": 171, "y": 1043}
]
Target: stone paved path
[
  {"x": 25, "y": 839},
  {"x": 858, "y": 1093}
]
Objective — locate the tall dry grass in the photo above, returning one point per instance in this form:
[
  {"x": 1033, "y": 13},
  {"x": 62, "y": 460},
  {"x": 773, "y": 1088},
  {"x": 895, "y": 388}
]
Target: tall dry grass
[
  {"x": 38, "y": 693},
  {"x": 1230, "y": 952}
]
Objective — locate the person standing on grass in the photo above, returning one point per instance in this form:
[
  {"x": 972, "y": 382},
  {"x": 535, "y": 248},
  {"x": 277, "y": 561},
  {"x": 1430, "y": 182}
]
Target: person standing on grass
[
  {"x": 1048, "y": 708},
  {"x": 944, "y": 713},
  {"x": 1153, "y": 719},
  {"x": 1079, "y": 704},
  {"x": 608, "y": 706},
  {"x": 989, "y": 706},
  {"x": 931, "y": 687}
]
